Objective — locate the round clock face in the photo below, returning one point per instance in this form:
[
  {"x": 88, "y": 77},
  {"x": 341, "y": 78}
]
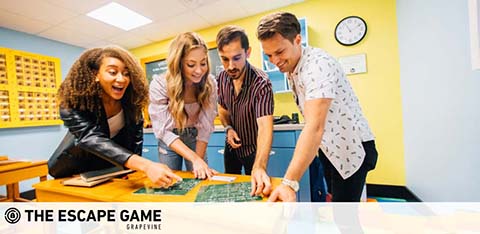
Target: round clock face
[{"x": 350, "y": 30}]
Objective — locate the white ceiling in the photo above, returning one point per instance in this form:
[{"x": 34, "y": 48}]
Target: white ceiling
[{"x": 66, "y": 20}]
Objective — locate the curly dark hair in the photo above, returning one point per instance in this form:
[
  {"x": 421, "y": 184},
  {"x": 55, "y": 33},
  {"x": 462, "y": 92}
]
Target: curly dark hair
[{"x": 80, "y": 91}]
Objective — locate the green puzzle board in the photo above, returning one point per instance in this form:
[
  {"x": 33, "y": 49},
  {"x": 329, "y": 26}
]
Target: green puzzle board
[
  {"x": 180, "y": 188},
  {"x": 234, "y": 192}
]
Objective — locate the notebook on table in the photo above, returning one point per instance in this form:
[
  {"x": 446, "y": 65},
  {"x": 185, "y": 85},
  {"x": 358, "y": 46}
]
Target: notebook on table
[
  {"x": 78, "y": 181},
  {"x": 104, "y": 173}
]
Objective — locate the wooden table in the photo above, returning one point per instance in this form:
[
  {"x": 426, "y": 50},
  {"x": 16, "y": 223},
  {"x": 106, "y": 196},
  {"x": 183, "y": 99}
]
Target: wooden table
[
  {"x": 121, "y": 190},
  {"x": 11, "y": 174}
]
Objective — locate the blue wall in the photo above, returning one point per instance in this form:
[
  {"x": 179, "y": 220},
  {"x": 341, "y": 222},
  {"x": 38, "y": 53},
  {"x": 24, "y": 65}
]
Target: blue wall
[
  {"x": 441, "y": 100},
  {"x": 34, "y": 143}
]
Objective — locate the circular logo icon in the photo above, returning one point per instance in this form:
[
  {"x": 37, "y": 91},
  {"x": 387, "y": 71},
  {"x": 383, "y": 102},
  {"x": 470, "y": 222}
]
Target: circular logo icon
[{"x": 12, "y": 215}]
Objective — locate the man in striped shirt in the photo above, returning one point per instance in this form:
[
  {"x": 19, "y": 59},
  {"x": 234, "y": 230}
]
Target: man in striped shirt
[{"x": 245, "y": 99}]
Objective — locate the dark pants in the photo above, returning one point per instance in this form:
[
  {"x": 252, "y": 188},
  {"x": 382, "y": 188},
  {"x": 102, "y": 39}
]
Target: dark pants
[
  {"x": 350, "y": 189},
  {"x": 234, "y": 164},
  {"x": 318, "y": 188}
]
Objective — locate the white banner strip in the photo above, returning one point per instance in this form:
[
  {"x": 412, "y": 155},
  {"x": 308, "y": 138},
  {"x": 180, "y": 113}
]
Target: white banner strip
[{"x": 254, "y": 217}]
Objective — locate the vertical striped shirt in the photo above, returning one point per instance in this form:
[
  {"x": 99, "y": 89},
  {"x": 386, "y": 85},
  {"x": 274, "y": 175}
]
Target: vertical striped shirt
[{"x": 254, "y": 100}]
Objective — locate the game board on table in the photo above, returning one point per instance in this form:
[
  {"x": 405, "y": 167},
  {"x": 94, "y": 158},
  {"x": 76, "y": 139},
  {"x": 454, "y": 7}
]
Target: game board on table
[
  {"x": 234, "y": 192},
  {"x": 180, "y": 188}
]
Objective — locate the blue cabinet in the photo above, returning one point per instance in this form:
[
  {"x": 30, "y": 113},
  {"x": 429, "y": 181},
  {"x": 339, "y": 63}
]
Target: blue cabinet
[
  {"x": 215, "y": 158},
  {"x": 217, "y": 139},
  {"x": 150, "y": 153},
  {"x": 283, "y": 146},
  {"x": 284, "y": 139},
  {"x": 215, "y": 150},
  {"x": 279, "y": 161},
  {"x": 150, "y": 144}
]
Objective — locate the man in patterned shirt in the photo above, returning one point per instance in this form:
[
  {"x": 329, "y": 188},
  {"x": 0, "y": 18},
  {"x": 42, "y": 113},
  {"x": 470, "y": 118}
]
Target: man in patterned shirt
[
  {"x": 334, "y": 121},
  {"x": 245, "y": 99}
]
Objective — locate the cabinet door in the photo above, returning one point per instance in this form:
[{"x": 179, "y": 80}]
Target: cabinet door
[
  {"x": 215, "y": 158},
  {"x": 278, "y": 161},
  {"x": 284, "y": 139},
  {"x": 217, "y": 139},
  {"x": 277, "y": 166},
  {"x": 149, "y": 139},
  {"x": 150, "y": 152}
]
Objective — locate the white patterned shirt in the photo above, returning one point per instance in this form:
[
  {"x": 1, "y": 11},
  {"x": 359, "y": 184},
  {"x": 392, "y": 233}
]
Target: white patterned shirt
[{"x": 319, "y": 75}]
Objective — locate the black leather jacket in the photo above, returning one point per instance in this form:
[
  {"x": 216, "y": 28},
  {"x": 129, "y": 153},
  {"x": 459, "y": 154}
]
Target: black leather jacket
[{"x": 87, "y": 145}]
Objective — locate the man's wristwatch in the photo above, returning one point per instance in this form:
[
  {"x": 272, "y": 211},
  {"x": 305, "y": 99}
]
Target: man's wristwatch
[{"x": 291, "y": 183}]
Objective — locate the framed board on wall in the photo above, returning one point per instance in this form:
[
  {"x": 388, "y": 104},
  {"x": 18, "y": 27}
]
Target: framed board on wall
[
  {"x": 157, "y": 67},
  {"x": 28, "y": 89}
]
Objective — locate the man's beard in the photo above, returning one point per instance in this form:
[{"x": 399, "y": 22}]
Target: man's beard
[{"x": 239, "y": 73}]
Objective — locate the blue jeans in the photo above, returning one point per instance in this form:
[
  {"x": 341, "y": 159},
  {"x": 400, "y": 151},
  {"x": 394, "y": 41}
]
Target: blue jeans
[{"x": 171, "y": 158}]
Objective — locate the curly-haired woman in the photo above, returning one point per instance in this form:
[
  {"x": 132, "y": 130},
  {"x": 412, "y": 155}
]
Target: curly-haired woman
[
  {"x": 183, "y": 106},
  {"x": 101, "y": 102}
]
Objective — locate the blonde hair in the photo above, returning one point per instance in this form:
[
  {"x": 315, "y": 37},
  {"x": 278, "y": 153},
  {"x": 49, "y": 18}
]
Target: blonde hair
[{"x": 178, "y": 49}]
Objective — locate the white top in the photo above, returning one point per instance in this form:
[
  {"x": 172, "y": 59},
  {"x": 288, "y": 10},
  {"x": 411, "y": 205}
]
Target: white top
[
  {"x": 319, "y": 75},
  {"x": 116, "y": 123}
]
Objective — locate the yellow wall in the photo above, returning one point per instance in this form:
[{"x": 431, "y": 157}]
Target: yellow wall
[{"x": 378, "y": 89}]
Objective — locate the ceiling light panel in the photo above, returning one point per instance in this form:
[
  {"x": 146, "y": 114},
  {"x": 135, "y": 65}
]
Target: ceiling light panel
[{"x": 119, "y": 16}]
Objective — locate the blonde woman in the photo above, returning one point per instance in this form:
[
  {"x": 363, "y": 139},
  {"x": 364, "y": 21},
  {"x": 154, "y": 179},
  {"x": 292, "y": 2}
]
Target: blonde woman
[{"x": 183, "y": 106}]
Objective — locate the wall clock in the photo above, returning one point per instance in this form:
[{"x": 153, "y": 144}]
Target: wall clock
[{"x": 350, "y": 30}]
